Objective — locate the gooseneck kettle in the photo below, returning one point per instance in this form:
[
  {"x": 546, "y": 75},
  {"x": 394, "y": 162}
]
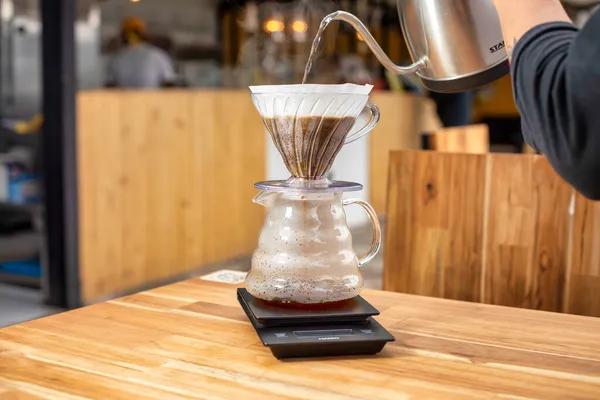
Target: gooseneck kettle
[{"x": 455, "y": 45}]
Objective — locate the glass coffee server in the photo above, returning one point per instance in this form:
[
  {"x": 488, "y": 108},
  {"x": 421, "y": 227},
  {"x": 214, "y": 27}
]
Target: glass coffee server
[{"x": 305, "y": 256}]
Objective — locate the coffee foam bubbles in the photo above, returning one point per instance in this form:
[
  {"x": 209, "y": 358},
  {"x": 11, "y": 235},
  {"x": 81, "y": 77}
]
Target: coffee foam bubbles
[
  {"x": 299, "y": 281},
  {"x": 304, "y": 292},
  {"x": 315, "y": 264},
  {"x": 347, "y": 100}
]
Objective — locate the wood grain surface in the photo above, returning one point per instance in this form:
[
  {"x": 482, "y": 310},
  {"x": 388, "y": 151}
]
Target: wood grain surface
[
  {"x": 403, "y": 118},
  {"x": 527, "y": 233},
  {"x": 191, "y": 340},
  {"x": 165, "y": 185},
  {"x": 470, "y": 139},
  {"x": 434, "y": 225},
  {"x": 583, "y": 295},
  {"x": 498, "y": 221}
]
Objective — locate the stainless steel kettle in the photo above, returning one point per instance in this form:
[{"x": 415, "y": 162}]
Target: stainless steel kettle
[{"x": 455, "y": 45}]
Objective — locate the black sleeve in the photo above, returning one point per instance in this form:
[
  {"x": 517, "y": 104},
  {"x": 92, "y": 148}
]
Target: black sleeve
[{"x": 556, "y": 83}]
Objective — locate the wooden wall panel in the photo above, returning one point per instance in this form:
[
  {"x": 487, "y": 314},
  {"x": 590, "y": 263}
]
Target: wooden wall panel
[
  {"x": 434, "y": 226},
  {"x": 583, "y": 294},
  {"x": 550, "y": 262},
  {"x": 494, "y": 228},
  {"x": 166, "y": 183},
  {"x": 527, "y": 233},
  {"x": 470, "y": 139},
  {"x": 403, "y": 118},
  {"x": 99, "y": 158}
]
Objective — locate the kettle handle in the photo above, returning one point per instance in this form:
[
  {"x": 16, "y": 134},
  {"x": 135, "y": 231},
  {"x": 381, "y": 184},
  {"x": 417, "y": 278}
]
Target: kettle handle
[
  {"x": 373, "y": 120},
  {"x": 372, "y": 43},
  {"x": 376, "y": 243}
]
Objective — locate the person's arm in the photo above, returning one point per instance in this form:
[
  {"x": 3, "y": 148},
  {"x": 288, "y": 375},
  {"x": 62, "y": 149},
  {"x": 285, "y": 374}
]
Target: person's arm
[
  {"x": 519, "y": 16},
  {"x": 555, "y": 70}
]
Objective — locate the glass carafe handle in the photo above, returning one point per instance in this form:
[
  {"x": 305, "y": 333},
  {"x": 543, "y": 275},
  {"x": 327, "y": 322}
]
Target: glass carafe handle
[
  {"x": 376, "y": 244},
  {"x": 373, "y": 120}
]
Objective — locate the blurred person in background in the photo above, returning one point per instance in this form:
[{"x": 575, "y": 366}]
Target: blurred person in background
[{"x": 138, "y": 64}]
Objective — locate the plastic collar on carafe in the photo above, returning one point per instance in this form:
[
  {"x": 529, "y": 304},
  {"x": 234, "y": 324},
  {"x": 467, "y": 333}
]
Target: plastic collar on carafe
[
  {"x": 308, "y": 196},
  {"x": 301, "y": 185}
]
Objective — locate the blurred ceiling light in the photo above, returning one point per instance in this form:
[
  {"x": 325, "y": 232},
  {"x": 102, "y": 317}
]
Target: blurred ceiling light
[
  {"x": 135, "y": 1},
  {"x": 273, "y": 25},
  {"x": 299, "y": 26},
  {"x": 359, "y": 37}
]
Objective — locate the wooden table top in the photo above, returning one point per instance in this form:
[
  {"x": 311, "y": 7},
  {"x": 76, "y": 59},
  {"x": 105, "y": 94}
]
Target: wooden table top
[{"x": 192, "y": 340}]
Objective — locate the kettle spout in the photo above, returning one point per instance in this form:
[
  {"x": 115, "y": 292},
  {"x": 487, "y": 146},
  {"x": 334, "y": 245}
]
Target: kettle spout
[
  {"x": 371, "y": 42},
  {"x": 262, "y": 197}
]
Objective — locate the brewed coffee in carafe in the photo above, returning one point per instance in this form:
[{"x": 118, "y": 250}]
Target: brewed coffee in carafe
[{"x": 305, "y": 256}]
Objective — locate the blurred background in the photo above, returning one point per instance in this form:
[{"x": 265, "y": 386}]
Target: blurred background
[{"x": 110, "y": 183}]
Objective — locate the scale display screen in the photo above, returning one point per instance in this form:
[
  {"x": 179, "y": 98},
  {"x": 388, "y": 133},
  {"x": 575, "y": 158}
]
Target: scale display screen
[{"x": 324, "y": 333}]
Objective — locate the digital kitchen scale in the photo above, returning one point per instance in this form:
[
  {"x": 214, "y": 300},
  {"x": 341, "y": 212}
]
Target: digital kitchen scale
[{"x": 291, "y": 333}]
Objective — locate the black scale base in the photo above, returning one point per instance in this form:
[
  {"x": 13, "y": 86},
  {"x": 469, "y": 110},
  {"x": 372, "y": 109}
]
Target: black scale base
[{"x": 292, "y": 333}]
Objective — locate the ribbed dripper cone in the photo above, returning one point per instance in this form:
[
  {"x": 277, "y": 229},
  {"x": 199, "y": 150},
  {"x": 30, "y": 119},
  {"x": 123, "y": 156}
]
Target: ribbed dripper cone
[
  {"x": 308, "y": 145},
  {"x": 309, "y": 127}
]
